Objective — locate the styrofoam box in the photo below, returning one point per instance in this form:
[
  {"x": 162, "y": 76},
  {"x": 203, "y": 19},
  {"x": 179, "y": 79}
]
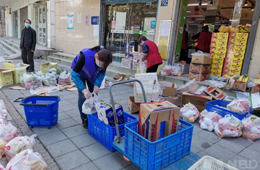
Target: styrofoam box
[
  {"x": 151, "y": 87},
  {"x": 127, "y": 63}
]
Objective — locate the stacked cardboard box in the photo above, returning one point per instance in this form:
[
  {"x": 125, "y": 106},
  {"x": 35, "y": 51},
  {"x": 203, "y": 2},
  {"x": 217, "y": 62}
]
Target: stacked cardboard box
[
  {"x": 200, "y": 67},
  {"x": 220, "y": 42},
  {"x": 158, "y": 120}
]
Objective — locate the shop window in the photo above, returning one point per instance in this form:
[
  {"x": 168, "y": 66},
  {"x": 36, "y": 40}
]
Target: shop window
[{"x": 123, "y": 26}]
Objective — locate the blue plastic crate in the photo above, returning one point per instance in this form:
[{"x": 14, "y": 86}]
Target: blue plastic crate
[
  {"x": 159, "y": 154},
  {"x": 104, "y": 133},
  {"x": 41, "y": 110},
  {"x": 216, "y": 105}
]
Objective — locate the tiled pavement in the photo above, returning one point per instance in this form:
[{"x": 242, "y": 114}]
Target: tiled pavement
[{"x": 69, "y": 144}]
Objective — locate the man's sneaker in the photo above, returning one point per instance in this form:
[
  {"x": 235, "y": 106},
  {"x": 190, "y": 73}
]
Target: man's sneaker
[{"x": 85, "y": 122}]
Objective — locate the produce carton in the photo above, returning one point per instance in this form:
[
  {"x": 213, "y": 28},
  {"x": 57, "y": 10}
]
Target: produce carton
[
  {"x": 215, "y": 93},
  {"x": 6, "y": 77},
  {"x": 237, "y": 86},
  {"x": 133, "y": 106},
  {"x": 168, "y": 88},
  {"x": 199, "y": 68},
  {"x": 196, "y": 99},
  {"x": 18, "y": 71},
  {"x": 158, "y": 120},
  {"x": 47, "y": 66},
  {"x": 201, "y": 59},
  {"x": 199, "y": 76}
]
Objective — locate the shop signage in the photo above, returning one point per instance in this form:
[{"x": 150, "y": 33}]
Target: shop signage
[
  {"x": 153, "y": 24},
  {"x": 164, "y": 38},
  {"x": 94, "y": 20},
  {"x": 164, "y": 3}
]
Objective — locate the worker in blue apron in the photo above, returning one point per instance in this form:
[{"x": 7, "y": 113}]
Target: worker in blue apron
[{"x": 88, "y": 70}]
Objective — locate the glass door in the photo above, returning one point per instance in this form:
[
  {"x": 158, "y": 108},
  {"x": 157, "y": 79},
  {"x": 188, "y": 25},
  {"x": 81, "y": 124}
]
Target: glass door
[{"x": 42, "y": 27}]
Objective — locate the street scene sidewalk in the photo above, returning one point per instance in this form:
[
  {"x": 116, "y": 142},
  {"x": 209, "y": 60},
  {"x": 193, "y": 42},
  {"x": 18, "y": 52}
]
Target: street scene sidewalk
[{"x": 68, "y": 146}]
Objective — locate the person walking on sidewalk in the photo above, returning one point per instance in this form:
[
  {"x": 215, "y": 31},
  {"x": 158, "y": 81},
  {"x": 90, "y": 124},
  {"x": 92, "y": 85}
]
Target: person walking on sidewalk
[
  {"x": 89, "y": 68},
  {"x": 151, "y": 54},
  {"x": 27, "y": 44}
]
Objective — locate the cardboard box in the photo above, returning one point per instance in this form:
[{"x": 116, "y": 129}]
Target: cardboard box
[
  {"x": 201, "y": 59},
  {"x": 196, "y": 99},
  {"x": 17, "y": 71},
  {"x": 105, "y": 113},
  {"x": 158, "y": 120},
  {"x": 133, "y": 106},
  {"x": 215, "y": 93},
  {"x": 255, "y": 89},
  {"x": 199, "y": 68},
  {"x": 237, "y": 86},
  {"x": 6, "y": 77},
  {"x": 169, "y": 88},
  {"x": 47, "y": 66},
  {"x": 199, "y": 76}
]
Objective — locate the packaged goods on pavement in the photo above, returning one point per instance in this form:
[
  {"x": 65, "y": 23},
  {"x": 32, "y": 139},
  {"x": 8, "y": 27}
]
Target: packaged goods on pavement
[
  {"x": 229, "y": 126},
  {"x": 239, "y": 106},
  {"x": 27, "y": 159},
  {"x": 65, "y": 78},
  {"x": 19, "y": 144},
  {"x": 208, "y": 120},
  {"x": 189, "y": 112},
  {"x": 251, "y": 127},
  {"x": 158, "y": 119}
]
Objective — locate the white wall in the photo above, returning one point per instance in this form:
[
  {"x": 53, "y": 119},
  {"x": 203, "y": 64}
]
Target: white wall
[{"x": 8, "y": 23}]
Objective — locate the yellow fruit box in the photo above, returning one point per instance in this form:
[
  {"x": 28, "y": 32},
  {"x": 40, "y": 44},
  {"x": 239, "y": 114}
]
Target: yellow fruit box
[
  {"x": 238, "y": 56},
  {"x": 239, "y": 52},
  {"x": 221, "y": 36},
  {"x": 237, "y": 61},
  {"x": 241, "y": 36},
  {"x": 240, "y": 47},
  {"x": 234, "y": 71},
  {"x": 6, "y": 77},
  {"x": 19, "y": 70},
  {"x": 215, "y": 73},
  {"x": 47, "y": 66}
]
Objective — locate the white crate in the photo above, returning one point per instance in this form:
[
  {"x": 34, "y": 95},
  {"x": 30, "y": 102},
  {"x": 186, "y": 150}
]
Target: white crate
[
  {"x": 137, "y": 56},
  {"x": 151, "y": 87},
  {"x": 210, "y": 163},
  {"x": 127, "y": 63}
]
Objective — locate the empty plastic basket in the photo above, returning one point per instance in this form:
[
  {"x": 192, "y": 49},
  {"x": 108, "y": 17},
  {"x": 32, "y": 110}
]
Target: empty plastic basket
[
  {"x": 41, "y": 110},
  {"x": 220, "y": 107},
  {"x": 210, "y": 163},
  {"x": 156, "y": 155},
  {"x": 104, "y": 133}
]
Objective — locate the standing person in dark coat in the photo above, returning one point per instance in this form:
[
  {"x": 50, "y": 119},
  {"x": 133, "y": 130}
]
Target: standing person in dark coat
[
  {"x": 204, "y": 39},
  {"x": 27, "y": 44}
]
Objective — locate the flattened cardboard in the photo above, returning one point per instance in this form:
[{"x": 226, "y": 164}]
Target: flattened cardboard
[
  {"x": 197, "y": 100},
  {"x": 132, "y": 106},
  {"x": 215, "y": 93},
  {"x": 174, "y": 100},
  {"x": 199, "y": 76},
  {"x": 237, "y": 86},
  {"x": 152, "y": 115},
  {"x": 169, "y": 88},
  {"x": 199, "y": 68},
  {"x": 188, "y": 87},
  {"x": 17, "y": 88},
  {"x": 201, "y": 59}
]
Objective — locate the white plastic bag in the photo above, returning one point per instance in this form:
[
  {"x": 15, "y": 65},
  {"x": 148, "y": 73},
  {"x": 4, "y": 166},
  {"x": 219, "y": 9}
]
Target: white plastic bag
[
  {"x": 189, "y": 112},
  {"x": 27, "y": 160},
  {"x": 167, "y": 70},
  {"x": 142, "y": 66},
  {"x": 64, "y": 78},
  {"x": 239, "y": 106},
  {"x": 251, "y": 127},
  {"x": 88, "y": 105},
  {"x": 19, "y": 144},
  {"x": 49, "y": 79},
  {"x": 1, "y": 167},
  {"x": 229, "y": 126},
  {"x": 3, "y": 111},
  {"x": 208, "y": 120}
]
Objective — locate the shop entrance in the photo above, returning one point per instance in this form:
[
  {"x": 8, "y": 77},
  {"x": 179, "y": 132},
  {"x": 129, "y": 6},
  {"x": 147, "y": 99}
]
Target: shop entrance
[
  {"x": 15, "y": 24},
  {"x": 123, "y": 24},
  {"x": 225, "y": 27},
  {"x": 42, "y": 25},
  {"x": 23, "y": 16}
]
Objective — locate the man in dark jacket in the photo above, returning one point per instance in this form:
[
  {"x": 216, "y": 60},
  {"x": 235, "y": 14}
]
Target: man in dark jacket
[{"x": 27, "y": 44}]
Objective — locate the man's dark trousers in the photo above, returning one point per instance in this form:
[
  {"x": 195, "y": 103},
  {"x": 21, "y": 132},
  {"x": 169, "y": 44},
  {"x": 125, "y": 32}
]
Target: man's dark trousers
[{"x": 27, "y": 57}]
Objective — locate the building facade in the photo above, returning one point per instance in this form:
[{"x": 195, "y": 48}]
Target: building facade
[
  {"x": 71, "y": 25},
  {"x": 2, "y": 21}
]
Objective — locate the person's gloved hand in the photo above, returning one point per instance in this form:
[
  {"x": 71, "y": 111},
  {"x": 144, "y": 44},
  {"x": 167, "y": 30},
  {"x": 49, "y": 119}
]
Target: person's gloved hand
[
  {"x": 86, "y": 93},
  {"x": 96, "y": 89}
]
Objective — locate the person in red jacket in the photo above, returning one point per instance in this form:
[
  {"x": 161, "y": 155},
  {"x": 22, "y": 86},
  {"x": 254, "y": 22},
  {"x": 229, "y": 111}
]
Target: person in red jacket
[
  {"x": 204, "y": 39},
  {"x": 151, "y": 54}
]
